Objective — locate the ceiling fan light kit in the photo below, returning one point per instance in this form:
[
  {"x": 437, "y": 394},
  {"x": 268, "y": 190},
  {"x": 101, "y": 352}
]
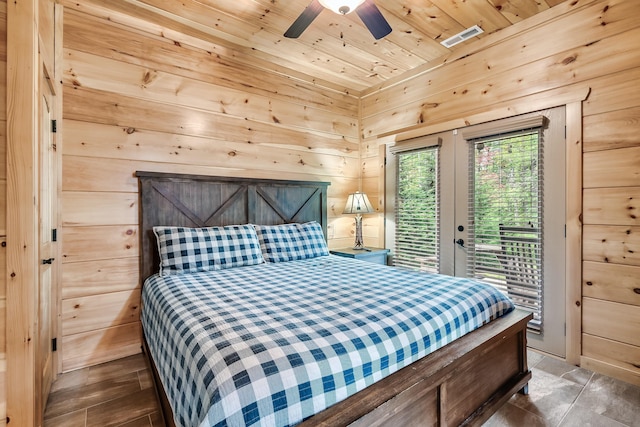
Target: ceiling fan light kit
[
  {"x": 341, "y": 7},
  {"x": 366, "y": 10}
]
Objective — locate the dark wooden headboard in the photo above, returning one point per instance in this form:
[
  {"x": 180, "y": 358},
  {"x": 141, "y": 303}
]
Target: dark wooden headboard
[{"x": 204, "y": 201}]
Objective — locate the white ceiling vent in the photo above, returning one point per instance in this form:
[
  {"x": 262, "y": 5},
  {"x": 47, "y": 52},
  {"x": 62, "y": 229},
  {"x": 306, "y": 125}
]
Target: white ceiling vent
[{"x": 462, "y": 36}]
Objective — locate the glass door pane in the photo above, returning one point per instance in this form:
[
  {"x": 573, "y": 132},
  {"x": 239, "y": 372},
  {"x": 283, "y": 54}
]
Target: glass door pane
[
  {"x": 417, "y": 210},
  {"x": 505, "y": 217}
]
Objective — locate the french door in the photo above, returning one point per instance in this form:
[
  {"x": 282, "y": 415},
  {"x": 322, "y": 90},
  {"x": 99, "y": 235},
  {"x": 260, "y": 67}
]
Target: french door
[{"x": 487, "y": 202}]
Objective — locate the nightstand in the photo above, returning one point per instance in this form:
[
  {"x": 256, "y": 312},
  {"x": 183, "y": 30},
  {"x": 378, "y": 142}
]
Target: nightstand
[{"x": 375, "y": 255}]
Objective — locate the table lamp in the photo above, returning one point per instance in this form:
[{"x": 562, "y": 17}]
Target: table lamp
[{"x": 358, "y": 204}]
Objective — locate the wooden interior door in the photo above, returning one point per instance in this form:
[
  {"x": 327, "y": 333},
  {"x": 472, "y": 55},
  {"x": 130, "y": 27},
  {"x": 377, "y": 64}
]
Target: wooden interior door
[{"x": 47, "y": 183}]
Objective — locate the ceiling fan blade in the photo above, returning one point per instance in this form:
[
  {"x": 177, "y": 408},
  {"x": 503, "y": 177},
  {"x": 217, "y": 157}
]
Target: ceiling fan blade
[
  {"x": 373, "y": 19},
  {"x": 304, "y": 20}
]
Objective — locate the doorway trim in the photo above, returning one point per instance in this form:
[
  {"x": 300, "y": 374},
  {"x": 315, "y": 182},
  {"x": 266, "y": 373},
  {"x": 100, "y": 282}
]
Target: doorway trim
[{"x": 22, "y": 219}]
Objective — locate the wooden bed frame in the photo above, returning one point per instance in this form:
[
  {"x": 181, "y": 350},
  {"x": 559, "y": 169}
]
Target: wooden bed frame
[{"x": 463, "y": 383}]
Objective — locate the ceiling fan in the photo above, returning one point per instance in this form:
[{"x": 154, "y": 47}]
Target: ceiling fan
[{"x": 365, "y": 9}]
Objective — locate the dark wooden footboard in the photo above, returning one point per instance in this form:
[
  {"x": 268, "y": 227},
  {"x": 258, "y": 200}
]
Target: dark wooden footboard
[{"x": 463, "y": 383}]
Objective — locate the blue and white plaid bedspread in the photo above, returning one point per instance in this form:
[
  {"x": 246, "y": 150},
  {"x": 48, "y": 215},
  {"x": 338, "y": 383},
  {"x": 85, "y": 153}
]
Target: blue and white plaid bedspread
[{"x": 275, "y": 343}]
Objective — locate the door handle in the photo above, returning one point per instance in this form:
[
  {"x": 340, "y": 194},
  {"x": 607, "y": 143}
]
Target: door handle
[
  {"x": 460, "y": 242},
  {"x": 48, "y": 261}
]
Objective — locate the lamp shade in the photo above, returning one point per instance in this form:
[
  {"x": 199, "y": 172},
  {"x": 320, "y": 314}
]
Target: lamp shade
[
  {"x": 341, "y": 7},
  {"x": 358, "y": 203}
]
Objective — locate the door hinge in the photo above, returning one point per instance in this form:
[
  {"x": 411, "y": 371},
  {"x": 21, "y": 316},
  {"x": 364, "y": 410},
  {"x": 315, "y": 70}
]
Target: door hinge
[
  {"x": 54, "y": 344},
  {"x": 54, "y": 126},
  {"x": 54, "y": 235}
]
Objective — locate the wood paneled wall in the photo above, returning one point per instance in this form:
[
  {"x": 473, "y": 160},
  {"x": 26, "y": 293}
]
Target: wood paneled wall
[
  {"x": 137, "y": 100},
  {"x": 3, "y": 209},
  {"x": 584, "y": 44}
]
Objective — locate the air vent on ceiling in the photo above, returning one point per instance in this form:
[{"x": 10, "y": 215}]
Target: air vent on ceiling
[{"x": 462, "y": 36}]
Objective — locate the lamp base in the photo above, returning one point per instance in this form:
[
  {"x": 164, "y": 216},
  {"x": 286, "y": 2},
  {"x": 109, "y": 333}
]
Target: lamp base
[{"x": 359, "y": 245}]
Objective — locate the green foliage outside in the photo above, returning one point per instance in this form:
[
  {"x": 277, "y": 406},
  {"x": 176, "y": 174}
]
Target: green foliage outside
[
  {"x": 506, "y": 185},
  {"x": 417, "y": 208},
  {"x": 505, "y": 182}
]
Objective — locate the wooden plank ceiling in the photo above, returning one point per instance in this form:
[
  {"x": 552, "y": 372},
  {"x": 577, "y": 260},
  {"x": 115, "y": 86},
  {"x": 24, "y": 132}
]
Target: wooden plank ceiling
[{"x": 336, "y": 51}]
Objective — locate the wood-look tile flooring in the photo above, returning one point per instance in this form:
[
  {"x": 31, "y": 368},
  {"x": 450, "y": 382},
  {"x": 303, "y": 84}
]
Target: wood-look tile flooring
[{"x": 120, "y": 393}]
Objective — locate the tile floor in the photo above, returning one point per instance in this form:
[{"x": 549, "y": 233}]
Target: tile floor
[
  {"x": 565, "y": 395},
  {"x": 120, "y": 393}
]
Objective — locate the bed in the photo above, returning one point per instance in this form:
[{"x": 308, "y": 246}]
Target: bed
[{"x": 460, "y": 383}]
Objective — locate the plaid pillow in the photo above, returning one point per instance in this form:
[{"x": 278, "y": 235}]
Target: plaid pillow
[
  {"x": 189, "y": 250},
  {"x": 288, "y": 242},
  {"x": 314, "y": 243}
]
